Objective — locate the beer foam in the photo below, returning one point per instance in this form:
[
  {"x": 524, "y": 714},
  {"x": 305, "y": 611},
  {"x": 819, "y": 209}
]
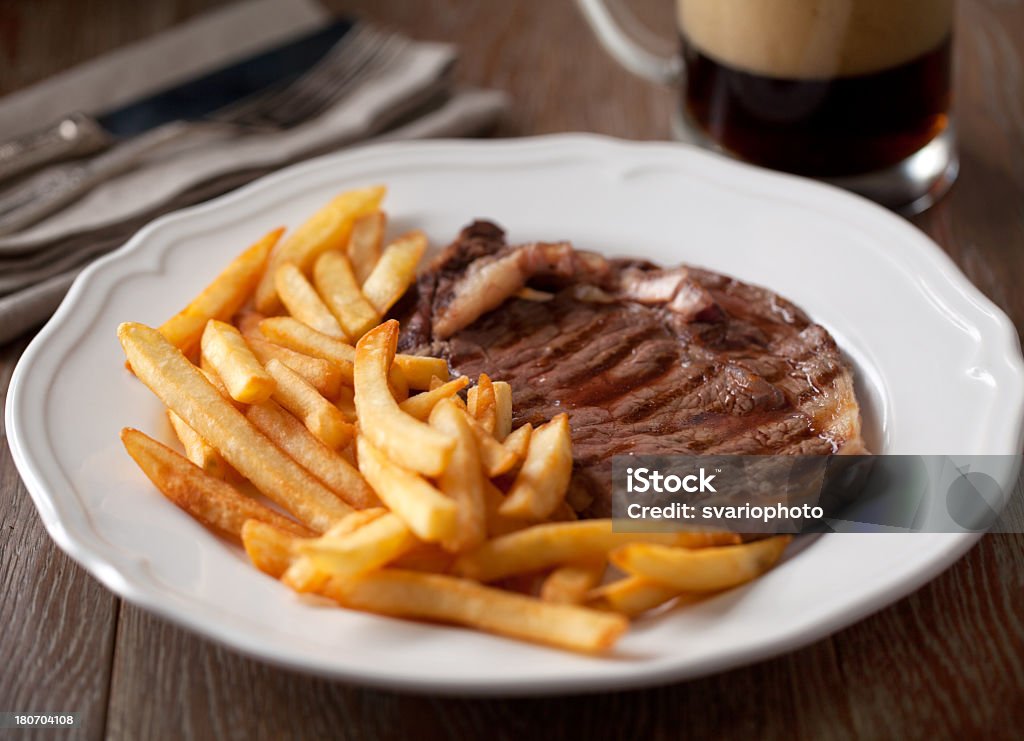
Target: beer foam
[{"x": 814, "y": 39}]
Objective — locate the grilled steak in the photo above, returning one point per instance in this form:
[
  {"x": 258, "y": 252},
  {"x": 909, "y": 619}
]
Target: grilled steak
[{"x": 644, "y": 359}]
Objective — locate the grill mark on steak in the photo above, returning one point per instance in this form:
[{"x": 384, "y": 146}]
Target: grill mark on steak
[{"x": 644, "y": 360}]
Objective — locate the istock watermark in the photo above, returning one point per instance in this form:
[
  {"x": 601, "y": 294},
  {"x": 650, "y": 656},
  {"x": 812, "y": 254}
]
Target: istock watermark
[{"x": 793, "y": 494}]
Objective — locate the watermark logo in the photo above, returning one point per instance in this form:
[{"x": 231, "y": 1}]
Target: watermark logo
[
  {"x": 643, "y": 480},
  {"x": 794, "y": 494}
]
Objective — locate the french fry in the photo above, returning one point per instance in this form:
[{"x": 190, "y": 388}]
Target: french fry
[
  {"x": 346, "y": 403},
  {"x": 398, "y": 435},
  {"x": 213, "y": 502},
  {"x": 495, "y": 458},
  {"x": 420, "y": 405},
  {"x": 635, "y": 595},
  {"x": 417, "y": 370},
  {"x": 211, "y": 375},
  {"x": 352, "y": 522},
  {"x": 184, "y": 390},
  {"x": 397, "y": 383},
  {"x": 502, "y": 410},
  {"x": 563, "y": 513},
  {"x": 224, "y": 348},
  {"x": 498, "y": 524},
  {"x": 307, "y": 450},
  {"x": 248, "y": 323},
  {"x": 270, "y": 549},
  {"x": 303, "y": 574},
  {"x": 323, "y": 375},
  {"x": 365, "y": 242},
  {"x": 221, "y": 298},
  {"x": 431, "y": 515},
  {"x": 369, "y": 547},
  {"x": 544, "y": 476},
  {"x": 197, "y": 450},
  {"x": 394, "y": 271},
  {"x": 320, "y": 417},
  {"x": 425, "y": 557},
  {"x": 411, "y": 594},
  {"x": 303, "y": 303},
  {"x": 518, "y": 441},
  {"x": 570, "y": 584},
  {"x": 328, "y": 229},
  {"x": 337, "y": 286},
  {"x": 540, "y": 547},
  {"x": 481, "y": 404},
  {"x": 288, "y": 332},
  {"x": 703, "y": 570},
  {"x": 463, "y": 480}
]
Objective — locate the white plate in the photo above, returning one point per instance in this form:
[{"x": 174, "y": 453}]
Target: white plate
[{"x": 939, "y": 369}]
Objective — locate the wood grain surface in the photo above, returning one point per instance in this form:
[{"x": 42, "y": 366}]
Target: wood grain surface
[{"x": 948, "y": 661}]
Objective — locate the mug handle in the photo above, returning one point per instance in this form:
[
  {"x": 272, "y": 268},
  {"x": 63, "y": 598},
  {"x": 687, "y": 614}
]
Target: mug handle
[{"x": 625, "y": 49}]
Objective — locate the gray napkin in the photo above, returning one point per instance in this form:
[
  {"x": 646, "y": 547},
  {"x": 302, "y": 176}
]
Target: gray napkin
[{"x": 411, "y": 97}]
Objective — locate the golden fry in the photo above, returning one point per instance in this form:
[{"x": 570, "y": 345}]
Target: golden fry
[
  {"x": 463, "y": 480},
  {"x": 383, "y": 423},
  {"x": 365, "y": 243},
  {"x": 347, "y": 403},
  {"x": 369, "y": 547},
  {"x": 496, "y": 459},
  {"x": 337, "y": 286},
  {"x": 635, "y": 595},
  {"x": 328, "y": 229},
  {"x": 502, "y": 410},
  {"x": 248, "y": 323},
  {"x": 570, "y": 584},
  {"x": 184, "y": 390},
  {"x": 197, "y": 450},
  {"x": 394, "y": 271},
  {"x": 448, "y": 599},
  {"x": 270, "y": 549},
  {"x": 481, "y": 404},
  {"x": 224, "y": 348},
  {"x": 427, "y": 511},
  {"x": 543, "y": 478},
  {"x": 323, "y": 375},
  {"x": 397, "y": 383},
  {"x": 213, "y": 502},
  {"x": 326, "y": 464},
  {"x": 417, "y": 370},
  {"x": 540, "y": 547},
  {"x": 302, "y": 302},
  {"x": 703, "y": 570},
  {"x": 420, "y": 406},
  {"x": 321, "y": 417},
  {"x": 303, "y": 574},
  {"x": 289, "y": 332},
  {"x": 425, "y": 557},
  {"x": 518, "y": 441},
  {"x": 221, "y": 298}
]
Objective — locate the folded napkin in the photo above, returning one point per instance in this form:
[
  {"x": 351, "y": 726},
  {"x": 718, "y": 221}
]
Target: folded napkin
[{"x": 411, "y": 96}]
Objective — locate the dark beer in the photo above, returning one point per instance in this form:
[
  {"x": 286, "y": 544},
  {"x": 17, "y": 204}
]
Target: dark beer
[{"x": 827, "y": 127}]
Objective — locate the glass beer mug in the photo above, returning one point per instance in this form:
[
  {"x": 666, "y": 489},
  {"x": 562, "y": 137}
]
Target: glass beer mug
[{"x": 854, "y": 92}]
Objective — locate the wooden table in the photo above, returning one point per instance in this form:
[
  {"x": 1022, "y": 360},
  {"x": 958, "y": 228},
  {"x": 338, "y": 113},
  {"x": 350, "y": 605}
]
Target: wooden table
[{"x": 947, "y": 660}]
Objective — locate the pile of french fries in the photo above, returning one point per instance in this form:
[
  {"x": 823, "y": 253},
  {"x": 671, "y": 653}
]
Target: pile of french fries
[{"x": 350, "y": 471}]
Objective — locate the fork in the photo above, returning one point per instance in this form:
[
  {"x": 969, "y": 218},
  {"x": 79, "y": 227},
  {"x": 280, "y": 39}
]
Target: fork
[{"x": 355, "y": 58}]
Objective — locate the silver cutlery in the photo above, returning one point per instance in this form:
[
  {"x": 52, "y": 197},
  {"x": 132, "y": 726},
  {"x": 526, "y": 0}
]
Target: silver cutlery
[{"x": 357, "y": 56}]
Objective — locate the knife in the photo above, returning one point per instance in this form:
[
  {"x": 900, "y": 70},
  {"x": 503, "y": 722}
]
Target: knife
[{"x": 79, "y": 133}]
